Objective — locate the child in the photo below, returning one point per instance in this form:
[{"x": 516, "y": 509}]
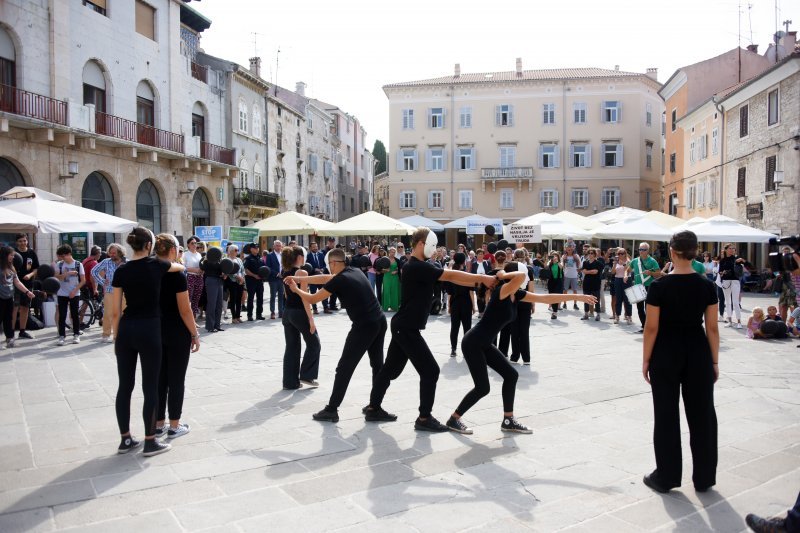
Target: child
[
  {"x": 70, "y": 273},
  {"x": 754, "y": 323}
]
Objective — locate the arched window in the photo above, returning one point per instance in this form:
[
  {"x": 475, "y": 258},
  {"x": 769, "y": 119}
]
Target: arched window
[
  {"x": 279, "y": 135},
  {"x": 257, "y": 122},
  {"x": 98, "y": 196},
  {"x": 94, "y": 86},
  {"x": 145, "y": 104},
  {"x": 8, "y": 60},
  {"x": 242, "y": 115},
  {"x": 10, "y": 176},
  {"x": 258, "y": 179},
  {"x": 199, "y": 121},
  {"x": 148, "y": 207},
  {"x": 201, "y": 209},
  {"x": 244, "y": 174}
]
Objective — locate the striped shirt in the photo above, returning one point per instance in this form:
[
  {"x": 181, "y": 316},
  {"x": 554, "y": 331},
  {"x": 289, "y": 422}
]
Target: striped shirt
[{"x": 108, "y": 267}]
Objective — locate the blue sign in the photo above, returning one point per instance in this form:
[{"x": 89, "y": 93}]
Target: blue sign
[{"x": 209, "y": 233}]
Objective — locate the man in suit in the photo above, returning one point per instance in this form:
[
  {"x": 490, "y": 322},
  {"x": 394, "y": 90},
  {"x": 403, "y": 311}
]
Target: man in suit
[
  {"x": 275, "y": 281},
  {"x": 316, "y": 258}
]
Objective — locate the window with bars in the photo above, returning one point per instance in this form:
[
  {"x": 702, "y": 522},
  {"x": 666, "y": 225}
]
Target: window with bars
[
  {"x": 741, "y": 182},
  {"x": 769, "y": 182},
  {"x": 744, "y": 113}
]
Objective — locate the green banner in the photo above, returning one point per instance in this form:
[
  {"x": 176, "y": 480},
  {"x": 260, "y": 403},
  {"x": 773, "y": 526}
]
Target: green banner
[
  {"x": 237, "y": 234},
  {"x": 78, "y": 242}
]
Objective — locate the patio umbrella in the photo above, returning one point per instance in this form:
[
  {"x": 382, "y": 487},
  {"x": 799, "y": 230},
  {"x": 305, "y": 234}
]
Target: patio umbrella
[
  {"x": 31, "y": 192},
  {"x": 615, "y": 215},
  {"x": 13, "y": 221},
  {"x": 554, "y": 227},
  {"x": 663, "y": 219},
  {"x": 419, "y": 220},
  {"x": 461, "y": 223},
  {"x": 721, "y": 228},
  {"x": 62, "y": 217},
  {"x": 578, "y": 220},
  {"x": 290, "y": 223},
  {"x": 635, "y": 228},
  {"x": 369, "y": 223}
]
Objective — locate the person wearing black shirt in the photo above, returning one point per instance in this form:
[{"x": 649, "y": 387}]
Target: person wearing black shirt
[
  {"x": 214, "y": 286},
  {"x": 521, "y": 326},
  {"x": 139, "y": 336},
  {"x": 480, "y": 354},
  {"x": 330, "y": 304},
  {"x": 253, "y": 282},
  {"x": 680, "y": 359},
  {"x": 416, "y": 292},
  {"x": 30, "y": 264},
  {"x": 366, "y": 333},
  {"x": 298, "y": 321},
  {"x": 461, "y": 304},
  {"x": 592, "y": 269},
  {"x": 730, "y": 266},
  {"x": 179, "y": 338}
]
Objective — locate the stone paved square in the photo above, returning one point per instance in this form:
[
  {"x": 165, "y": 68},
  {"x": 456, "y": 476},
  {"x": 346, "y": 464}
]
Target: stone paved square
[{"x": 256, "y": 461}]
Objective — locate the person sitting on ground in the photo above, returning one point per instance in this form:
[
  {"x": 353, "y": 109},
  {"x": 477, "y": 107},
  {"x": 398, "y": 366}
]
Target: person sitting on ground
[{"x": 754, "y": 324}]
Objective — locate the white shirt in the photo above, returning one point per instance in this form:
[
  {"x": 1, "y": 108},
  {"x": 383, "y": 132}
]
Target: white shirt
[{"x": 192, "y": 259}]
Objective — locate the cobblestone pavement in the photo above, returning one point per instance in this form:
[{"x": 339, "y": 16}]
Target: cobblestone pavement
[{"x": 255, "y": 461}]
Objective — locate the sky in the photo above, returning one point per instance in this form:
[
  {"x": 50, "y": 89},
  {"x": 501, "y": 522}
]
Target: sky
[{"x": 346, "y": 51}]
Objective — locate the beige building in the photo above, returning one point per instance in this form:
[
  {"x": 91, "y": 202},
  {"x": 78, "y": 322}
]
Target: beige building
[
  {"x": 703, "y": 130},
  {"x": 510, "y": 144}
]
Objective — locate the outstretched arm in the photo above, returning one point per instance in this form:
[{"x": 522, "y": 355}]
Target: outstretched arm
[
  {"x": 308, "y": 298},
  {"x": 558, "y": 298},
  {"x": 318, "y": 279}
]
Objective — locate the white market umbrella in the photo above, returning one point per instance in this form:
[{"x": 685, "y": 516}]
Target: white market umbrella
[
  {"x": 31, "y": 192},
  {"x": 721, "y": 228},
  {"x": 618, "y": 214},
  {"x": 554, "y": 227},
  {"x": 62, "y": 217},
  {"x": 13, "y": 221},
  {"x": 578, "y": 220},
  {"x": 635, "y": 228},
  {"x": 461, "y": 223},
  {"x": 369, "y": 223},
  {"x": 663, "y": 219},
  {"x": 419, "y": 220},
  {"x": 290, "y": 223}
]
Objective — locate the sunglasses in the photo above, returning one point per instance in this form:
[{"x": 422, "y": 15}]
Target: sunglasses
[
  {"x": 644, "y": 249},
  {"x": 621, "y": 253}
]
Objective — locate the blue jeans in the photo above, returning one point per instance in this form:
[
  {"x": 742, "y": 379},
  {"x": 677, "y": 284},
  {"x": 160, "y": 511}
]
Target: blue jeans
[{"x": 372, "y": 277}]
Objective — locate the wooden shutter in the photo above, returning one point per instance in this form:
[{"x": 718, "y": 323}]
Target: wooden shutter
[
  {"x": 444, "y": 114},
  {"x": 430, "y": 118},
  {"x": 603, "y": 111},
  {"x": 619, "y": 110},
  {"x": 416, "y": 162},
  {"x": 555, "y": 198},
  {"x": 428, "y": 159},
  {"x": 743, "y": 120},
  {"x": 571, "y": 156},
  {"x": 602, "y": 155},
  {"x": 473, "y": 159},
  {"x": 588, "y": 155},
  {"x": 620, "y": 160},
  {"x": 556, "y": 156},
  {"x": 400, "y": 160},
  {"x": 769, "y": 182},
  {"x": 741, "y": 183},
  {"x": 541, "y": 156},
  {"x": 541, "y": 198},
  {"x": 444, "y": 159},
  {"x": 498, "y": 115},
  {"x": 145, "y": 20},
  {"x": 510, "y": 115}
]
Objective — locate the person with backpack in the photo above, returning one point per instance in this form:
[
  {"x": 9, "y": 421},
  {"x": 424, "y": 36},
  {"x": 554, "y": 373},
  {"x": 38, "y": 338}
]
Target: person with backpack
[{"x": 72, "y": 277}]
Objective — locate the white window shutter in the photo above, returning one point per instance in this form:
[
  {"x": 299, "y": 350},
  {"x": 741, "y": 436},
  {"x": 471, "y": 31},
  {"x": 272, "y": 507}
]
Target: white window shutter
[
  {"x": 429, "y": 118},
  {"x": 444, "y": 114},
  {"x": 603, "y": 111},
  {"x": 428, "y": 159},
  {"x": 405, "y": 119},
  {"x": 416, "y": 165},
  {"x": 571, "y": 155},
  {"x": 557, "y": 156},
  {"x": 602, "y": 155},
  {"x": 430, "y": 199},
  {"x": 473, "y": 159},
  {"x": 619, "y": 111},
  {"x": 498, "y": 115},
  {"x": 400, "y": 160},
  {"x": 511, "y": 115},
  {"x": 541, "y": 156},
  {"x": 541, "y": 198},
  {"x": 619, "y": 155},
  {"x": 402, "y": 196},
  {"x": 444, "y": 159},
  {"x": 456, "y": 154},
  {"x": 555, "y": 198},
  {"x": 588, "y": 155}
]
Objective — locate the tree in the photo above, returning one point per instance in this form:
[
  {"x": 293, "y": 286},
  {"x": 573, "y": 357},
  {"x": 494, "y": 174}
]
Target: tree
[{"x": 379, "y": 153}]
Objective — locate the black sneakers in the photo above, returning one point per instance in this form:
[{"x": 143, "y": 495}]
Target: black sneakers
[
  {"x": 766, "y": 525},
  {"x": 430, "y": 424},
  {"x": 154, "y": 447},
  {"x": 378, "y": 415},
  {"x": 310, "y": 383},
  {"x": 458, "y": 426},
  {"x": 128, "y": 443},
  {"x": 452, "y": 353},
  {"x": 511, "y": 425},
  {"x": 326, "y": 415},
  {"x": 652, "y": 481}
]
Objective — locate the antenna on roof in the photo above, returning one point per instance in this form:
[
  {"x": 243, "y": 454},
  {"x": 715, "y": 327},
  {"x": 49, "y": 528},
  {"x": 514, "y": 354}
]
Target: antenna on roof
[
  {"x": 750, "y": 20},
  {"x": 277, "y": 60}
]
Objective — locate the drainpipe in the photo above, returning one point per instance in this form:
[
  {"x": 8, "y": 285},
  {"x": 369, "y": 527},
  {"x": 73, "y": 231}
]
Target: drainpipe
[
  {"x": 722, "y": 192},
  {"x": 564, "y": 141},
  {"x": 452, "y": 148}
]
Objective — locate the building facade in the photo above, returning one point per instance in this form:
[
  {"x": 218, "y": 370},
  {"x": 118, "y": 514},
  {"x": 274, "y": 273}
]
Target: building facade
[
  {"x": 121, "y": 119},
  {"x": 319, "y": 167},
  {"x": 703, "y": 131},
  {"x": 381, "y": 193},
  {"x": 510, "y": 144}
]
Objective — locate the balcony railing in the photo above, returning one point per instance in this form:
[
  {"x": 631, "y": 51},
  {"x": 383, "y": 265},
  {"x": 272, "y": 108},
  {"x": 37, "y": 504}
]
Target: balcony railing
[
  {"x": 253, "y": 197},
  {"x": 507, "y": 173},
  {"x": 200, "y": 72},
  {"x": 129, "y": 130},
  {"x": 217, "y": 153},
  {"x": 27, "y": 104}
]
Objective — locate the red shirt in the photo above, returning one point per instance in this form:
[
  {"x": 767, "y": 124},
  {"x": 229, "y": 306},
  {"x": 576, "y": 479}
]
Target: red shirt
[
  {"x": 88, "y": 264},
  {"x": 488, "y": 256}
]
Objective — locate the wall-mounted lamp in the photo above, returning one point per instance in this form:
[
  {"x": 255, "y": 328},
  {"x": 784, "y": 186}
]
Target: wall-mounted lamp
[
  {"x": 778, "y": 177},
  {"x": 191, "y": 186},
  {"x": 72, "y": 170}
]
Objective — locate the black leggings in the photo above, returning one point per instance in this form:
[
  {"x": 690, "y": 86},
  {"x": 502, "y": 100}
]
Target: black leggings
[
  {"x": 521, "y": 333},
  {"x": 63, "y": 302},
  {"x": 460, "y": 316},
  {"x": 6, "y": 307},
  {"x": 138, "y": 338},
  {"x": 235, "y": 292},
  {"x": 363, "y": 337},
  {"x": 480, "y": 356},
  {"x": 408, "y": 345},
  {"x": 174, "y": 362}
]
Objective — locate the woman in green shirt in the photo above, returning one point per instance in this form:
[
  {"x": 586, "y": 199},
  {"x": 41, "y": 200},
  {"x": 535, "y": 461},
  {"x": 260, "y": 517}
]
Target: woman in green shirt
[{"x": 555, "y": 282}]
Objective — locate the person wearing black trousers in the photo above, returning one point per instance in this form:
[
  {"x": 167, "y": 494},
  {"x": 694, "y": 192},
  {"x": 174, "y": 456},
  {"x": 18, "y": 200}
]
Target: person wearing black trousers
[
  {"x": 179, "y": 338},
  {"x": 461, "y": 304},
  {"x": 681, "y": 359},
  {"x": 253, "y": 282},
  {"x": 139, "y": 337},
  {"x": 298, "y": 322},
  {"x": 555, "y": 280},
  {"x": 521, "y": 327},
  {"x": 480, "y": 266},
  {"x": 592, "y": 268},
  {"x": 365, "y": 335}
]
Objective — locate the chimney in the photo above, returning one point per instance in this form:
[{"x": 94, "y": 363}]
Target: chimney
[
  {"x": 616, "y": 67},
  {"x": 300, "y": 88},
  {"x": 255, "y": 66},
  {"x": 519, "y": 67},
  {"x": 752, "y": 48},
  {"x": 652, "y": 72},
  {"x": 457, "y": 72}
]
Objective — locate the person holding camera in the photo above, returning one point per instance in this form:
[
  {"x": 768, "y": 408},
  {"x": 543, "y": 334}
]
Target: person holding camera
[{"x": 731, "y": 268}]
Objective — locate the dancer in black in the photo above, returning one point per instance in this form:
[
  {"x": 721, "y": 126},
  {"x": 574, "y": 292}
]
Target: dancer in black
[
  {"x": 368, "y": 329},
  {"x": 179, "y": 338},
  {"x": 297, "y": 322},
  {"x": 416, "y": 291},
  {"x": 461, "y": 304},
  {"x": 480, "y": 354},
  {"x": 139, "y": 336}
]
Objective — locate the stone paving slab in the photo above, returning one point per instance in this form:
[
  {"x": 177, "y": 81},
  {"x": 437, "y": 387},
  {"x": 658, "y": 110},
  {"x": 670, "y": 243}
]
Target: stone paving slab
[{"x": 255, "y": 461}]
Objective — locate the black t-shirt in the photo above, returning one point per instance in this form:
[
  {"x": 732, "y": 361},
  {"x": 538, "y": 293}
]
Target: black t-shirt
[
  {"x": 727, "y": 268},
  {"x": 591, "y": 282},
  {"x": 499, "y": 312},
  {"x": 172, "y": 284},
  {"x": 416, "y": 291},
  {"x": 356, "y": 294},
  {"x": 140, "y": 281},
  {"x": 682, "y": 300},
  {"x": 252, "y": 263},
  {"x": 30, "y": 262},
  {"x": 293, "y": 300}
]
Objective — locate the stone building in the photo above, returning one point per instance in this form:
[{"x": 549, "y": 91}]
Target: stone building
[
  {"x": 121, "y": 119},
  {"x": 322, "y": 185},
  {"x": 510, "y": 144}
]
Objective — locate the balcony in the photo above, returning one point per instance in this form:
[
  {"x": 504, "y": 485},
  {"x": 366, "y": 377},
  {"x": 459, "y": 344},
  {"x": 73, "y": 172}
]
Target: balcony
[
  {"x": 128, "y": 130},
  {"x": 518, "y": 174},
  {"x": 200, "y": 72},
  {"x": 244, "y": 196},
  {"x": 32, "y": 105},
  {"x": 217, "y": 153}
]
